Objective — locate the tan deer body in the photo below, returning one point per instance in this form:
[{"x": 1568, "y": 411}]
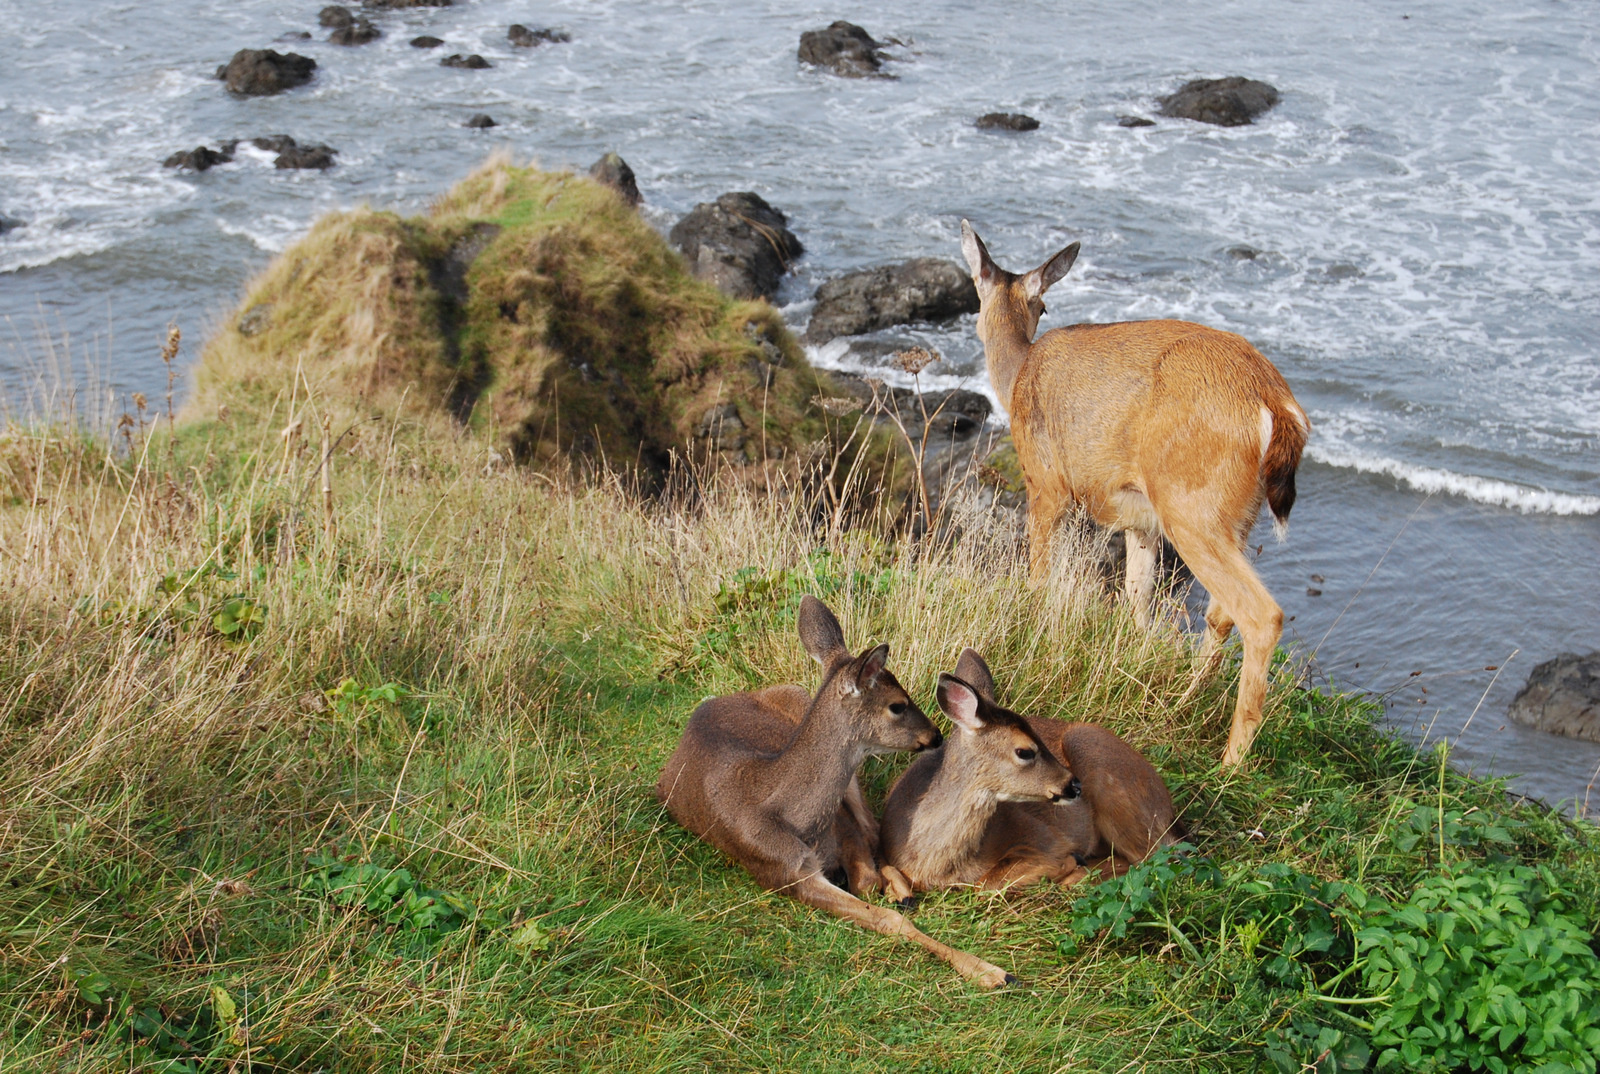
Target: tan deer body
[
  {"x": 1118, "y": 810},
  {"x": 1158, "y": 428},
  {"x": 779, "y": 812}
]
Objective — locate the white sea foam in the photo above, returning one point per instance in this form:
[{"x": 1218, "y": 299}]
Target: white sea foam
[{"x": 1488, "y": 490}]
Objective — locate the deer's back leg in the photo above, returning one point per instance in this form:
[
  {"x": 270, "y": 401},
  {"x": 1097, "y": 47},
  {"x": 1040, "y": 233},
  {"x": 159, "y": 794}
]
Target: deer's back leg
[{"x": 1218, "y": 562}]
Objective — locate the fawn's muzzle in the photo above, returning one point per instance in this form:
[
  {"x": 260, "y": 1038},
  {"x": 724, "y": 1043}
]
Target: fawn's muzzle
[{"x": 932, "y": 744}]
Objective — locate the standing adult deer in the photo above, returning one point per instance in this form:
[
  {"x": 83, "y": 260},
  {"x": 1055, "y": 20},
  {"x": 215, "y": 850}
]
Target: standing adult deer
[
  {"x": 1156, "y": 428},
  {"x": 972, "y": 812},
  {"x": 773, "y": 796}
]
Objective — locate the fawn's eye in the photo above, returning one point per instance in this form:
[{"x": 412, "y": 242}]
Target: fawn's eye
[
  {"x": 898, "y": 708},
  {"x": 1026, "y": 754}
]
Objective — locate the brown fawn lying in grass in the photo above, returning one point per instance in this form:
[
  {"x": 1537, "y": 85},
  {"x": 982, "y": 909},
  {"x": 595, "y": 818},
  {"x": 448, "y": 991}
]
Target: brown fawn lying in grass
[
  {"x": 1156, "y": 428},
  {"x": 980, "y": 810},
  {"x": 775, "y": 797}
]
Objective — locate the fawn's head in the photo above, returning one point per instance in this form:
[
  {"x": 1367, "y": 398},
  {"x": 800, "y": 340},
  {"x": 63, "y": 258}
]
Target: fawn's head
[
  {"x": 1006, "y": 299},
  {"x": 996, "y": 751},
  {"x": 860, "y": 690}
]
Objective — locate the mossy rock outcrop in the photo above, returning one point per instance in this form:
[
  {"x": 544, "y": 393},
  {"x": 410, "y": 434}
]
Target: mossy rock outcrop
[{"x": 536, "y": 308}]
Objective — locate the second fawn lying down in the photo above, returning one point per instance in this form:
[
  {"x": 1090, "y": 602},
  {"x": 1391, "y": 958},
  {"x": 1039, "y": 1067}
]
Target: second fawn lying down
[
  {"x": 971, "y": 813},
  {"x": 775, "y": 796}
]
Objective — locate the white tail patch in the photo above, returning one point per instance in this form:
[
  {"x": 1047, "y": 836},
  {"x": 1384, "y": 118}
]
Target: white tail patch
[{"x": 1266, "y": 432}]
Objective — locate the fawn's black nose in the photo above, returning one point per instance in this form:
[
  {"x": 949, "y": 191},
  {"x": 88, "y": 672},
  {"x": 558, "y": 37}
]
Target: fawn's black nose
[
  {"x": 1074, "y": 788},
  {"x": 933, "y": 743}
]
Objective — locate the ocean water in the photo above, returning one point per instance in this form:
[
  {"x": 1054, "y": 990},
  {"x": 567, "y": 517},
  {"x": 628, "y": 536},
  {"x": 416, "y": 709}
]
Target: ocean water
[{"x": 1423, "y": 207}]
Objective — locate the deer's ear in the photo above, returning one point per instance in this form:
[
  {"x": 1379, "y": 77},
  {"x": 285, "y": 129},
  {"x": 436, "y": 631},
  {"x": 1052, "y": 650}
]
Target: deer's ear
[
  {"x": 870, "y": 666},
  {"x": 1050, "y": 273},
  {"x": 977, "y": 674},
  {"x": 976, "y": 253},
  {"x": 959, "y": 702},
  {"x": 820, "y": 632}
]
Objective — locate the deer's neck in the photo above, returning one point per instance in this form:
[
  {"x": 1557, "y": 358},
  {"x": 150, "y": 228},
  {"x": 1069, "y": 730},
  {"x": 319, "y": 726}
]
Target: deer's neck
[
  {"x": 809, "y": 779},
  {"x": 1006, "y": 343},
  {"x": 948, "y": 827}
]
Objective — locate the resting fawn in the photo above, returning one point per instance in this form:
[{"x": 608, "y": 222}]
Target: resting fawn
[
  {"x": 960, "y": 815},
  {"x": 774, "y": 796}
]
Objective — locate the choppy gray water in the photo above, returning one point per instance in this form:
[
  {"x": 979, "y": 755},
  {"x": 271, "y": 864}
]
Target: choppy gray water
[{"x": 1425, "y": 201}]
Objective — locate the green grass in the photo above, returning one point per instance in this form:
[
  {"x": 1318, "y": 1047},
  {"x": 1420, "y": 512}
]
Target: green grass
[
  {"x": 475, "y": 677},
  {"x": 363, "y": 780}
]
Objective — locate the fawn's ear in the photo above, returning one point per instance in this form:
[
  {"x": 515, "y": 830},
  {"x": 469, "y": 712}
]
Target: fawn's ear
[
  {"x": 820, "y": 632},
  {"x": 959, "y": 702},
  {"x": 1047, "y": 275},
  {"x": 977, "y": 254},
  {"x": 972, "y": 668},
  {"x": 864, "y": 674}
]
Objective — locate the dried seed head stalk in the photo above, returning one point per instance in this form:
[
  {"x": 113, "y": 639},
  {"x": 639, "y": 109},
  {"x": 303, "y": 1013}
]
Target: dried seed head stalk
[{"x": 915, "y": 360}]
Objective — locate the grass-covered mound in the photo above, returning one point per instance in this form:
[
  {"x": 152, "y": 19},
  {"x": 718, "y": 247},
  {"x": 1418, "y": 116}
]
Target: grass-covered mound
[
  {"x": 535, "y": 306},
  {"x": 371, "y": 790}
]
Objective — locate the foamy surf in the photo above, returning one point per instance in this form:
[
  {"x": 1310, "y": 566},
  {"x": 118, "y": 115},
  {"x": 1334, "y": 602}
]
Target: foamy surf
[{"x": 1486, "y": 490}]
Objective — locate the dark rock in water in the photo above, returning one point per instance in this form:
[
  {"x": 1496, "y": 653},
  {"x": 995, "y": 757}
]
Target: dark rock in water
[
  {"x": 199, "y": 158},
  {"x": 336, "y": 15},
  {"x": 1006, "y": 121},
  {"x": 739, "y": 243},
  {"x": 292, "y": 35},
  {"x": 292, "y": 154},
  {"x": 255, "y": 320},
  {"x": 925, "y": 289},
  {"x": 612, "y": 171},
  {"x": 1243, "y": 253},
  {"x": 273, "y": 143},
  {"x": 481, "y": 121},
  {"x": 474, "y": 61},
  {"x": 426, "y": 41},
  {"x": 8, "y": 224},
  {"x": 258, "y": 72},
  {"x": 1135, "y": 121},
  {"x": 358, "y": 32},
  {"x": 1562, "y": 696},
  {"x": 306, "y": 156},
  {"x": 843, "y": 48},
  {"x": 1225, "y": 102},
  {"x": 523, "y": 37}
]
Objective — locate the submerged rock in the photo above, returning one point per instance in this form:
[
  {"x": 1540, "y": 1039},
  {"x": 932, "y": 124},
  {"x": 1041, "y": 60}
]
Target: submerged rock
[
  {"x": 259, "y": 72},
  {"x": 1562, "y": 696},
  {"x": 426, "y": 41},
  {"x": 199, "y": 158},
  {"x": 481, "y": 121},
  {"x": 923, "y": 289},
  {"x": 1006, "y": 121},
  {"x": 1225, "y": 102},
  {"x": 334, "y": 16},
  {"x": 1135, "y": 121},
  {"x": 8, "y": 224},
  {"x": 473, "y": 62},
  {"x": 739, "y": 243},
  {"x": 612, "y": 171},
  {"x": 306, "y": 156},
  {"x": 523, "y": 37},
  {"x": 358, "y": 32},
  {"x": 292, "y": 154},
  {"x": 844, "y": 49}
]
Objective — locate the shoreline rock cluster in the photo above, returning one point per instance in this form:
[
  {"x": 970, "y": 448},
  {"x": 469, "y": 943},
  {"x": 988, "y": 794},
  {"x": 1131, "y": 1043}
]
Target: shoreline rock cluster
[{"x": 290, "y": 154}]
